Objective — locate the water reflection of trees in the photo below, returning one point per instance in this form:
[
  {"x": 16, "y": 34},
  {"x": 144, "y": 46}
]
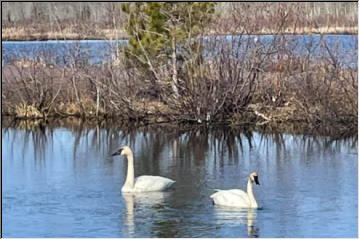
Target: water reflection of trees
[
  {"x": 29, "y": 132},
  {"x": 150, "y": 142},
  {"x": 181, "y": 145},
  {"x": 308, "y": 142}
]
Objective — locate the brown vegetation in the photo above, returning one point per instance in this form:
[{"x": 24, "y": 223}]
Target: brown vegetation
[
  {"x": 250, "y": 89},
  {"x": 50, "y": 20},
  {"x": 71, "y": 32},
  {"x": 243, "y": 82},
  {"x": 301, "y": 18}
]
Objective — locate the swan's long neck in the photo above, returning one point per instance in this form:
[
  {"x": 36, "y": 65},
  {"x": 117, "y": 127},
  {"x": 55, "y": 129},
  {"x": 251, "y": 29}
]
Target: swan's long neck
[
  {"x": 129, "y": 183},
  {"x": 250, "y": 193}
]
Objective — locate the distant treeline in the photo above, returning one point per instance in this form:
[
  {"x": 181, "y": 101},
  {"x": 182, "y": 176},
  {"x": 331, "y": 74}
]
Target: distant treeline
[
  {"x": 99, "y": 11},
  {"x": 14, "y": 13}
]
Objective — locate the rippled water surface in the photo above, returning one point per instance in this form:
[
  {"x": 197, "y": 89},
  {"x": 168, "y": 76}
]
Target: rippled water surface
[
  {"x": 62, "y": 182},
  {"x": 101, "y": 51}
]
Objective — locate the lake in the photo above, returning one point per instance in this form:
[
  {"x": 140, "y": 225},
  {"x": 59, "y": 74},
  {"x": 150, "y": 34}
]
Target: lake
[
  {"x": 102, "y": 51},
  {"x": 62, "y": 182}
]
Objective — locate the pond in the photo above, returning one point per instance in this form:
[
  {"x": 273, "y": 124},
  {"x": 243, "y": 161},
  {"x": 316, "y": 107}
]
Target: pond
[
  {"x": 62, "y": 182},
  {"x": 102, "y": 51}
]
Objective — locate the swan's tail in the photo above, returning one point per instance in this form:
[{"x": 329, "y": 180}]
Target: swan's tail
[
  {"x": 170, "y": 183},
  {"x": 216, "y": 190}
]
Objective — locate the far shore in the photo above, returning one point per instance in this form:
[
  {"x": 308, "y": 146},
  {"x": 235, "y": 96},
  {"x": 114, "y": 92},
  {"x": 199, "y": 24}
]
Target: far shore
[{"x": 21, "y": 34}]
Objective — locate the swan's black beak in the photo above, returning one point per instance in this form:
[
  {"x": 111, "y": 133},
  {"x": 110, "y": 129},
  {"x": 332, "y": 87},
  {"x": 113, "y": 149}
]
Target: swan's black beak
[
  {"x": 118, "y": 152},
  {"x": 256, "y": 180}
]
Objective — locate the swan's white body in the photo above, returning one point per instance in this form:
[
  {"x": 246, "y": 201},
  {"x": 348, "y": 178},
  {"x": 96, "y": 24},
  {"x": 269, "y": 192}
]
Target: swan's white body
[
  {"x": 237, "y": 197},
  {"x": 142, "y": 183},
  {"x": 148, "y": 183}
]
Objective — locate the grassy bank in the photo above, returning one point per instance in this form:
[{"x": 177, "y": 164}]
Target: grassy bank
[
  {"x": 81, "y": 124},
  {"x": 68, "y": 33},
  {"x": 73, "y": 33},
  {"x": 294, "y": 92},
  {"x": 179, "y": 75},
  {"x": 106, "y": 20}
]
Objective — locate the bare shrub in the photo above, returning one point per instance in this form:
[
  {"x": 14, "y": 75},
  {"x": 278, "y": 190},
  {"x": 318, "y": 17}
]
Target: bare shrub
[
  {"x": 318, "y": 85},
  {"x": 32, "y": 85}
]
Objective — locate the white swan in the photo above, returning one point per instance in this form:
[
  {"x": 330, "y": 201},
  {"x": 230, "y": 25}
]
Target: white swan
[
  {"x": 237, "y": 197},
  {"x": 142, "y": 183}
]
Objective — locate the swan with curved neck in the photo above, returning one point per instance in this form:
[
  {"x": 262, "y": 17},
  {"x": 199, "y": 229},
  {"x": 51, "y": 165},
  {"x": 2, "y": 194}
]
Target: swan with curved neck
[
  {"x": 143, "y": 183},
  {"x": 237, "y": 197}
]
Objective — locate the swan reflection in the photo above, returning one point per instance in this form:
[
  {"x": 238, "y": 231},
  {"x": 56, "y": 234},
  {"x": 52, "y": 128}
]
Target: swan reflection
[
  {"x": 235, "y": 216},
  {"x": 141, "y": 202}
]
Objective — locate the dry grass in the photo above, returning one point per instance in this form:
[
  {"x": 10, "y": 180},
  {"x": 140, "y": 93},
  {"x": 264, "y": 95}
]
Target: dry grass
[
  {"x": 87, "y": 108},
  {"x": 23, "y": 110},
  {"x": 299, "y": 30},
  {"x": 71, "y": 33},
  {"x": 313, "y": 30}
]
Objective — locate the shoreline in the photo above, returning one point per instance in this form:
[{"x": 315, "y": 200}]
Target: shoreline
[
  {"x": 262, "y": 116},
  {"x": 109, "y": 34},
  {"x": 337, "y": 131}
]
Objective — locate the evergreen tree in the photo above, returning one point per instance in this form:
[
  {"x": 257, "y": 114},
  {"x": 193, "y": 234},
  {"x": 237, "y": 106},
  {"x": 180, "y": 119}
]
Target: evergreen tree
[{"x": 160, "y": 33}]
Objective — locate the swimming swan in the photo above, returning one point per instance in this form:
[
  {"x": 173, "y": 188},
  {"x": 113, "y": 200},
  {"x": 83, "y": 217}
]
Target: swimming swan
[
  {"x": 142, "y": 183},
  {"x": 237, "y": 197}
]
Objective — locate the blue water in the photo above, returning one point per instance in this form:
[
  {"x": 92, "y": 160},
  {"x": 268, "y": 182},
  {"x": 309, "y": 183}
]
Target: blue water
[
  {"x": 61, "y": 52},
  {"x": 101, "y": 51},
  {"x": 62, "y": 182}
]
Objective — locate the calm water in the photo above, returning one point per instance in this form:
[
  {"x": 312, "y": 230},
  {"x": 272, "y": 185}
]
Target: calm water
[
  {"x": 61, "y": 182},
  {"x": 100, "y": 51}
]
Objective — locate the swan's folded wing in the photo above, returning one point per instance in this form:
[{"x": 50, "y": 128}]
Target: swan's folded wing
[
  {"x": 152, "y": 183},
  {"x": 232, "y": 197},
  {"x": 239, "y": 193}
]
